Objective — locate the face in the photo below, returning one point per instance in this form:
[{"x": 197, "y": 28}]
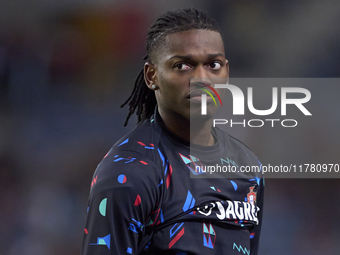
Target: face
[{"x": 185, "y": 55}]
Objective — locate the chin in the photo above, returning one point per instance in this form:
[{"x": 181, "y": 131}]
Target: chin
[{"x": 196, "y": 115}]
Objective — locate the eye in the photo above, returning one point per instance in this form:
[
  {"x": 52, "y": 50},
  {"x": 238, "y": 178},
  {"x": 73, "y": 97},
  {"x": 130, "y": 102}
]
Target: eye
[
  {"x": 182, "y": 66},
  {"x": 215, "y": 65}
]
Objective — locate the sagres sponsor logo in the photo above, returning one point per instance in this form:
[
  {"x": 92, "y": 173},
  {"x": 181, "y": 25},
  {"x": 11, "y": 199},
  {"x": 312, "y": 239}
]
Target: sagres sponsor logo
[
  {"x": 238, "y": 211},
  {"x": 280, "y": 98}
]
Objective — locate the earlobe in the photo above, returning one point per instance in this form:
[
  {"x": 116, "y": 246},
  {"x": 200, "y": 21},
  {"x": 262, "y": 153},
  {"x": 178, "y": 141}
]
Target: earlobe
[{"x": 150, "y": 75}]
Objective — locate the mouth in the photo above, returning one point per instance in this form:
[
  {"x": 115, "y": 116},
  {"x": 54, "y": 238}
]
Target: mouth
[
  {"x": 196, "y": 96},
  {"x": 195, "y": 93}
]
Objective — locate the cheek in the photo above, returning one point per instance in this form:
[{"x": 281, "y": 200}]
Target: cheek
[
  {"x": 173, "y": 87},
  {"x": 170, "y": 83}
]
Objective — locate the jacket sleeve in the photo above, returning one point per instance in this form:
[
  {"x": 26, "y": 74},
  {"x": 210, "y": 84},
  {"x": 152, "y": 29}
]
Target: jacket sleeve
[{"x": 121, "y": 199}]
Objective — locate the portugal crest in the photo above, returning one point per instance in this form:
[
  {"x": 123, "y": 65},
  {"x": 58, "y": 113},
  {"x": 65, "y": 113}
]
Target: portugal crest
[{"x": 251, "y": 196}]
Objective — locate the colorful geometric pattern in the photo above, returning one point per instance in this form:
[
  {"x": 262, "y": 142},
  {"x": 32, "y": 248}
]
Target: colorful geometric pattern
[
  {"x": 189, "y": 203},
  {"x": 137, "y": 201},
  {"x": 103, "y": 241},
  {"x": 173, "y": 231},
  {"x": 102, "y": 207},
  {"x": 94, "y": 181},
  {"x": 151, "y": 147},
  {"x": 228, "y": 162},
  {"x": 209, "y": 236},
  {"x": 127, "y": 160},
  {"x": 168, "y": 177},
  {"x": 241, "y": 249},
  {"x": 122, "y": 178},
  {"x": 124, "y": 142},
  {"x": 195, "y": 161},
  {"x": 215, "y": 189},
  {"x": 136, "y": 226},
  {"x": 166, "y": 165},
  {"x": 155, "y": 218},
  {"x": 234, "y": 185}
]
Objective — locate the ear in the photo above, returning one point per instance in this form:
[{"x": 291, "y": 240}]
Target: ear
[{"x": 150, "y": 72}]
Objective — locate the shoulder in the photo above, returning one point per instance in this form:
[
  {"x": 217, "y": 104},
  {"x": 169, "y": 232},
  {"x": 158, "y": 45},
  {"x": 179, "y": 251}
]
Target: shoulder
[{"x": 132, "y": 160}]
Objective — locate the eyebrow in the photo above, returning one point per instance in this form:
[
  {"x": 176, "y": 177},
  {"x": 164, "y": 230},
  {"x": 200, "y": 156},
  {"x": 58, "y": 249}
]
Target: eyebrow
[{"x": 190, "y": 57}]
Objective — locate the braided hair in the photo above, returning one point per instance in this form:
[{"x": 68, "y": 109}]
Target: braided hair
[{"x": 142, "y": 99}]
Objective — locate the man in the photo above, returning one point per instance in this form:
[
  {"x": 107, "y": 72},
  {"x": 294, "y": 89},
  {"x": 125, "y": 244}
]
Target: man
[{"x": 143, "y": 200}]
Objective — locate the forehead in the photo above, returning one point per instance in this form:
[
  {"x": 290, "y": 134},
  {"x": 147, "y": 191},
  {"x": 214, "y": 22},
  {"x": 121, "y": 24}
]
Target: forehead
[{"x": 195, "y": 42}]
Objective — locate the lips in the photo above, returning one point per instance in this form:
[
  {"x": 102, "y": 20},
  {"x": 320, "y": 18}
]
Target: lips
[
  {"x": 195, "y": 97},
  {"x": 195, "y": 93}
]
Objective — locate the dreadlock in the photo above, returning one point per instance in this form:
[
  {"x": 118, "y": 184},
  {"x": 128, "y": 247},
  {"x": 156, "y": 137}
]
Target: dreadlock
[{"x": 142, "y": 98}]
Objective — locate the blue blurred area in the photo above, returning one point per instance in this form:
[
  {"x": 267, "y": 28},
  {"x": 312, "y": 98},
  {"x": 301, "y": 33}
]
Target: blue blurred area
[{"x": 65, "y": 69}]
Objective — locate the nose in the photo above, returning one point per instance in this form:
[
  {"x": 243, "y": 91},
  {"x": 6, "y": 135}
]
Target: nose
[
  {"x": 201, "y": 75},
  {"x": 200, "y": 72}
]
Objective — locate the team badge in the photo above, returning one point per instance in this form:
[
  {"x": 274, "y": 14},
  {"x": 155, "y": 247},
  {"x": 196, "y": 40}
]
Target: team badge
[{"x": 251, "y": 196}]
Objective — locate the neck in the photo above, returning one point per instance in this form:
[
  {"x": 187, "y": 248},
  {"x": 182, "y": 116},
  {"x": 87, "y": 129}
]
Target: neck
[{"x": 196, "y": 132}]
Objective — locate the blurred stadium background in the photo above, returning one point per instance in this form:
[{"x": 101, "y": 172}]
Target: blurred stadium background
[{"x": 65, "y": 68}]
